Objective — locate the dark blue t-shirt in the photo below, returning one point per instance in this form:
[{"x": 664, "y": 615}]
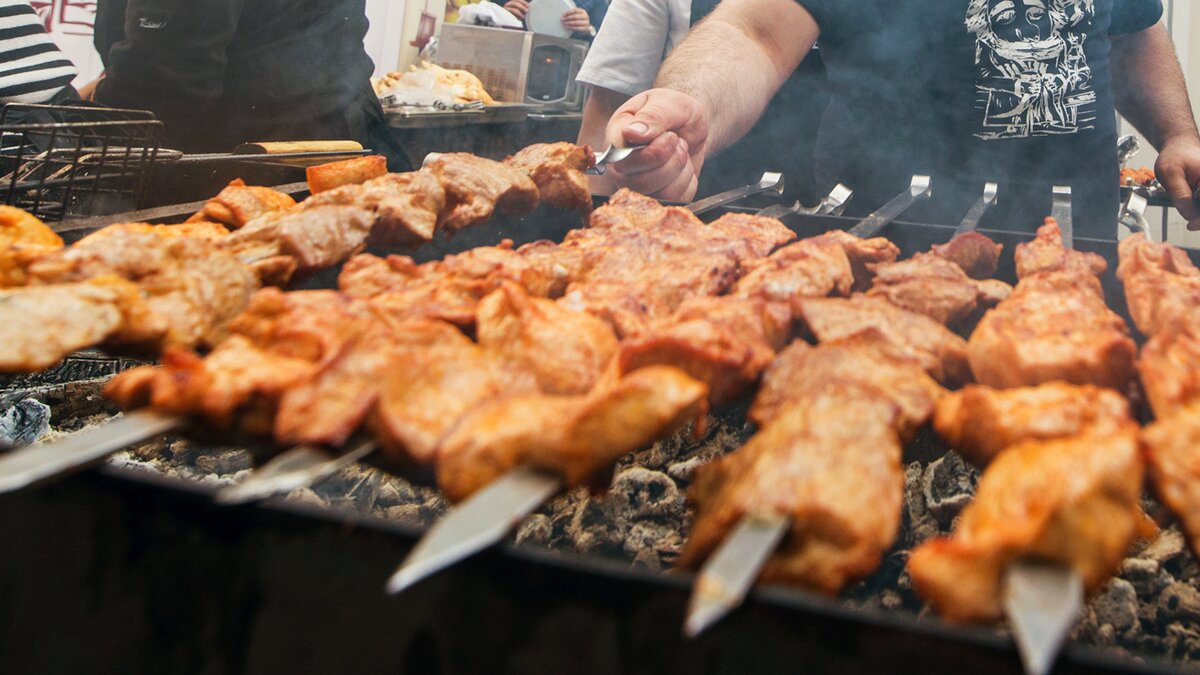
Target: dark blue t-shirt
[{"x": 1013, "y": 91}]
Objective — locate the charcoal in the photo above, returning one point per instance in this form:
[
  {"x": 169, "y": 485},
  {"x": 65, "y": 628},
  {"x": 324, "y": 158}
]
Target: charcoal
[
  {"x": 537, "y": 529},
  {"x": 1146, "y": 575},
  {"x": 393, "y": 491},
  {"x": 306, "y": 496},
  {"x": 1168, "y": 546},
  {"x": 682, "y": 471},
  {"x": 948, "y": 485},
  {"x": 222, "y": 463},
  {"x": 646, "y": 493},
  {"x": 23, "y": 423},
  {"x": 649, "y": 537},
  {"x": 1116, "y": 605},
  {"x": 416, "y": 515},
  {"x": 1183, "y": 641},
  {"x": 920, "y": 525},
  {"x": 595, "y": 527},
  {"x": 1179, "y": 602}
]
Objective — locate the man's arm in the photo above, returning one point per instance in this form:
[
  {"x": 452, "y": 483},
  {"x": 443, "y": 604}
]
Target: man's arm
[
  {"x": 711, "y": 90},
  {"x": 171, "y": 60},
  {"x": 1151, "y": 93},
  {"x": 600, "y": 106}
]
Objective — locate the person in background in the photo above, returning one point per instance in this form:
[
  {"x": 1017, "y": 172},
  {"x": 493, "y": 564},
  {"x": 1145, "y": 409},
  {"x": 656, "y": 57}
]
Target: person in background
[
  {"x": 583, "y": 21},
  {"x": 32, "y": 68},
  {"x": 624, "y": 59},
  {"x": 224, "y": 72},
  {"x": 1022, "y": 92}
]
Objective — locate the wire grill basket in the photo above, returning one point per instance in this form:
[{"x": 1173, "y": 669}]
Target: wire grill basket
[{"x": 59, "y": 161}]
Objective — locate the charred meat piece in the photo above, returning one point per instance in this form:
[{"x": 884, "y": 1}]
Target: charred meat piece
[
  {"x": 1161, "y": 283},
  {"x": 558, "y": 170},
  {"x": 1046, "y": 253},
  {"x": 974, "y": 253},
  {"x": 316, "y": 237},
  {"x": 239, "y": 204},
  {"x": 577, "y": 437},
  {"x": 1073, "y": 501},
  {"x": 1172, "y": 449},
  {"x": 475, "y": 187},
  {"x": 1054, "y": 326},
  {"x": 868, "y": 359},
  {"x": 979, "y": 422},
  {"x": 863, "y": 253},
  {"x": 942, "y": 353},
  {"x": 567, "y": 351},
  {"x": 43, "y": 324},
  {"x": 189, "y": 289},
  {"x": 936, "y": 287},
  {"x": 830, "y": 461},
  {"x": 724, "y": 342},
  {"x": 405, "y": 205},
  {"x": 1169, "y": 366}
]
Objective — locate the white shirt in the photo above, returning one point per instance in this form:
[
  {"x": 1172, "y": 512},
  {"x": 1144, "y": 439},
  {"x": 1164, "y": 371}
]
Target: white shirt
[
  {"x": 32, "y": 69},
  {"x": 633, "y": 41}
]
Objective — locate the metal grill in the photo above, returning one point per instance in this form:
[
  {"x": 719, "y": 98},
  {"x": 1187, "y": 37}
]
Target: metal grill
[{"x": 60, "y": 161}]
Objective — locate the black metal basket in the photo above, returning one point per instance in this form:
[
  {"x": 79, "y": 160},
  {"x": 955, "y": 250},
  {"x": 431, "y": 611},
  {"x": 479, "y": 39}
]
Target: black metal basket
[{"x": 60, "y": 161}]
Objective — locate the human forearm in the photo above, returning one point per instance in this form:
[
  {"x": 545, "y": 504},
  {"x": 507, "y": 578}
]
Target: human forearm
[
  {"x": 1149, "y": 86},
  {"x": 735, "y": 60},
  {"x": 600, "y": 106}
]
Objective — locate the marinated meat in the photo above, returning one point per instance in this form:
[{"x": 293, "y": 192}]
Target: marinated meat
[
  {"x": 198, "y": 229},
  {"x": 868, "y": 359},
  {"x": 724, "y": 342},
  {"x": 576, "y": 437},
  {"x": 1162, "y": 284},
  {"x": 1071, "y": 500},
  {"x": 863, "y": 253},
  {"x": 936, "y": 287},
  {"x": 979, "y": 422},
  {"x": 809, "y": 268},
  {"x": 566, "y": 351},
  {"x": 316, "y": 237},
  {"x": 190, "y": 290},
  {"x": 974, "y": 253},
  {"x": 942, "y": 353},
  {"x": 43, "y": 324},
  {"x": 558, "y": 171},
  {"x": 831, "y": 462},
  {"x": 239, "y": 204},
  {"x": 1054, "y": 326},
  {"x": 1172, "y": 449},
  {"x": 475, "y": 187},
  {"x": 405, "y": 206},
  {"x": 1170, "y": 367},
  {"x": 1046, "y": 253}
]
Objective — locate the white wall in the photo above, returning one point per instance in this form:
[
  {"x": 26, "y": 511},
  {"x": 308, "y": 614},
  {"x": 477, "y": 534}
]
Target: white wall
[{"x": 382, "y": 41}]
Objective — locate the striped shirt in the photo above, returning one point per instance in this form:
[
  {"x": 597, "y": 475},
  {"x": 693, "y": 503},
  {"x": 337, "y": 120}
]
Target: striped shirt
[{"x": 32, "y": 69}]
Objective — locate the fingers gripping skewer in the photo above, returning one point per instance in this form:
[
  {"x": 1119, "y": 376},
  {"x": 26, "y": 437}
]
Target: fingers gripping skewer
[{"x": 476, "y": 524}]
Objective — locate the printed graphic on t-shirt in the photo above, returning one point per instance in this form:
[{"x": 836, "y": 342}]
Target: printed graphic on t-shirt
[{"x": 1031, "y": 74}]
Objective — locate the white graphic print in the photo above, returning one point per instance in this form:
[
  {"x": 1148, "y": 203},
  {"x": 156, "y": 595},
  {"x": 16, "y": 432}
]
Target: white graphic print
[{"x": 1031, "y": 75}]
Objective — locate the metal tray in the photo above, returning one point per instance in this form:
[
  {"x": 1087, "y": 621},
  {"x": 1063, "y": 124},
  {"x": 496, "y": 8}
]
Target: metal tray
[{"x": 122, "y": 566}]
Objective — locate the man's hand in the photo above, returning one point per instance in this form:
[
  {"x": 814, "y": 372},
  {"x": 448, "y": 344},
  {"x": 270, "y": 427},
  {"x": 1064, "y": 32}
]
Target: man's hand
[
  {"x": 575, "y": 20},
  {"x": 674, "y": 128},
  {"x": 518, "y": 8},
  {"x": 1178, "y": 169}
]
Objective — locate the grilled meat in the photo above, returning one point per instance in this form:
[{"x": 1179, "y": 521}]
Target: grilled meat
[
  {"x": 975, "y": 253},
  {"x": 1046, "y": 253},
  {"x": 239, "y": 204},
  {"x": 942, "y": 353},
  {"x": 577, "y": 437},
  {"x": 1172, "y": 449},
  {"x": 316, "y": 237},
  {"x": 43, "y": 324},
  {"x": 198, "y": 229},
  {"x": 558, "y": 171},
  {"x": 475, "y": 187},
  {"x": 567, "y": 351},
  {"x": 1161, "y": 283},
  {"x": 1070, "y": 500},
  {"x": 932, "y": 285},
  {"x": 867, "y": 358},
  {"x": 1170, "y": 367},
  {"x": 1054, "y": 326},
  {"x": 829, "y": 460},
  {"x": 863, "y": 253},
  {"x": 405, "y": 205},
  {"x": 979, "y": 422},
  {"x": 809, "y": 268}
]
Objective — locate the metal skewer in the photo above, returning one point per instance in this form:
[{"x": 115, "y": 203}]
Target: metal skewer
[
  {"x": 1133, "y": 214},
  {"x": 1060, "y": 208},
  {"x": 971, "y": 220},
  {"x": 722, "y": 583},
  {"x": 25, "y": 466},
  {"x": 1042, "y": 601},
  {"x": 476, "y": 524},
  {"x": 771, "y": 181},
  {"x": 920, "y": 188},
  {"x": 832, "y": 204},
  {"x": 298, "y": 467},
  {"x": 611, "y": 155}
]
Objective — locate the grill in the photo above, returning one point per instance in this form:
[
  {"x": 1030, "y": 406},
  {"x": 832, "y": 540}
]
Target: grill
[{"x": 140, "y": 555}]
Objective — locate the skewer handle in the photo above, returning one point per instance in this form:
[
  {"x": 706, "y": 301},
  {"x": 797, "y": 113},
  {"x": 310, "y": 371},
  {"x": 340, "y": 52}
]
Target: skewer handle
[
  {"x": 771, "y": 181},
  {"x": 920, "y": 188}
]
